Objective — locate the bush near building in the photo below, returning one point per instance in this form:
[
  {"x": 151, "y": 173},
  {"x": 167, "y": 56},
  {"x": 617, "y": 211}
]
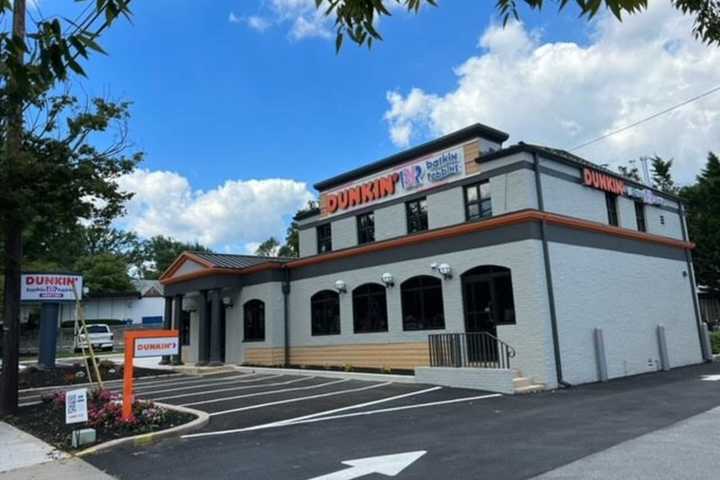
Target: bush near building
[{"x": 715, "y": 341}]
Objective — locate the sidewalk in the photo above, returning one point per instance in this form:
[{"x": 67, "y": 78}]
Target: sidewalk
[
  {"x": 23, "y": 456},
  {"x": 686, "y": 450}
]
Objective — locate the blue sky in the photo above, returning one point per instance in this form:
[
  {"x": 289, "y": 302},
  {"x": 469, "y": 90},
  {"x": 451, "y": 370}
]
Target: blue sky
[
  {"x": 241, "y": 105},
  {"x": 216, "y": 100}
]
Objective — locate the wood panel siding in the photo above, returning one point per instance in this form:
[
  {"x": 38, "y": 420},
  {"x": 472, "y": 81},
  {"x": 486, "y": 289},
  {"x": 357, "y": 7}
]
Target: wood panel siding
[
  {"x": 384, "y": 355},
  {"x": 472, "y": 152},
  {"x": 264, "y": 356}
]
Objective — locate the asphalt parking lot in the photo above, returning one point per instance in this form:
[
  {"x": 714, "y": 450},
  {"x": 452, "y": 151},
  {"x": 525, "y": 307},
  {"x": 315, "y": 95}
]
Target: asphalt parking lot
[{"x": 271, "y": 426}]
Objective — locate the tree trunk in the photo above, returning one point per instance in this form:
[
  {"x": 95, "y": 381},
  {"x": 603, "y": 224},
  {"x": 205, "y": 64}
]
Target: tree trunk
[
  {"x": 13, "y": 234},
  {"x": 11, "y": 316}
]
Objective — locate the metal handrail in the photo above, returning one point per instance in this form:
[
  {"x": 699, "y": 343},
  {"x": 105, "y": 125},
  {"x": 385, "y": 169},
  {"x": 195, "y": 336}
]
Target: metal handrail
[{"x": 478, "y": 350}]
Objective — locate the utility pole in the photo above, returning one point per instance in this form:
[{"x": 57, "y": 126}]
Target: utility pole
[{"x": 13, "y": 229}]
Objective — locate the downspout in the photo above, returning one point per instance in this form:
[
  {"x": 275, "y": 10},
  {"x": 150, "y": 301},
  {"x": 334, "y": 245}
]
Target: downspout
[
  {"x": 548, "y": 276},
  {"x": 286, "y": 324},
  {"x": 693, "y": 288}
]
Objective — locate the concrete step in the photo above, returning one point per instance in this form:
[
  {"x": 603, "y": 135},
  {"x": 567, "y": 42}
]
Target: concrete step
[
  {"x": 534, "y": 388},
  {"x": 519, "y": 382}
]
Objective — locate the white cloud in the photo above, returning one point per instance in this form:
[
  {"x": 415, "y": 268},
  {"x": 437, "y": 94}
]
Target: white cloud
[
  {"x": 233, "y": 217},
  {"x": 233, "y": 18},
  {"x": 258, "y": 23},
  {"x": 563, "y": 93}
]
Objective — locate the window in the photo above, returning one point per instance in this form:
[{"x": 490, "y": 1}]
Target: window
[
  {"x": 417, "y": 218},
  {"x": 611, "y": 202},
  {"x": 366, "y": 228},
  {"x": 324, "y": 238},
  {"x": 477, "y": 201},
  {"x": 254, "y": 320},
  {"x": 640, "y": 216},
  {"x": 369, "y": 309},
  {"x": 325, "y": 313},
  {"x": 422, "y": 303}
]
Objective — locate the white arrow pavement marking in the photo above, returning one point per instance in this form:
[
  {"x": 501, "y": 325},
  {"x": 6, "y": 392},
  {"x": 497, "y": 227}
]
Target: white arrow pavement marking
[
  {"x": 711, "y": 378},
  {"x": 388, "y": 465}
]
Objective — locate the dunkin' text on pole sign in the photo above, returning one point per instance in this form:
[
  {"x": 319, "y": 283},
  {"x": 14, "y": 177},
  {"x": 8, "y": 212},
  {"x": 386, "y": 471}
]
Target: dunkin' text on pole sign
[{"x": 154, "y": 347}]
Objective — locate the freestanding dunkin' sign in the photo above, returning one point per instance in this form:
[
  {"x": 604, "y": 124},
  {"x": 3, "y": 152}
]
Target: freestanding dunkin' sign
[
  {"x": 144, "y": 343},
  {"x": 49, "y": 290}
]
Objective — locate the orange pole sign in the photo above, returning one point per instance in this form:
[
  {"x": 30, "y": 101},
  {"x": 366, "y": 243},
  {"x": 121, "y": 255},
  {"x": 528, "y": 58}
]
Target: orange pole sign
[{"x": 144, "y": 343}]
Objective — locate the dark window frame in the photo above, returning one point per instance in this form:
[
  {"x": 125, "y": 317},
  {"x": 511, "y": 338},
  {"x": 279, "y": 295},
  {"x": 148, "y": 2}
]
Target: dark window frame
[
  {"x": 495, "y": 276},
  {"x": 366, "y": 228},
  {"x": 324, "y": 302},
  {"x": 640, "y": 216},
  {"x": 416, "y": 296},
  {"x": 324, "y": 241},
  {"x": 366, "y": 294},
  {"x": 611, "y": 205},
  {"x": 483, "y": 203},
  {"x": 254, "y": 313},
  {"x": 417, "y": 221}
]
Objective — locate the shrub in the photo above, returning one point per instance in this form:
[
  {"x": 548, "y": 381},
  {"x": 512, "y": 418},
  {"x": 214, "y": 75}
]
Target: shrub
[{"x": 715, "y": 342}]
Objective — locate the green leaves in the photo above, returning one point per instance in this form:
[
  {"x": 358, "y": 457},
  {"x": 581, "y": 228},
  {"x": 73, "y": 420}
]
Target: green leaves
[{"x": 357, "y": 19}]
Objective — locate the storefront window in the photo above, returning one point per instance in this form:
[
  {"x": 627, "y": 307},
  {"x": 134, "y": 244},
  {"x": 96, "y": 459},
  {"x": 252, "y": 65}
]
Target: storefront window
[
  {"x": 369, "y": 308},
  {"x": 417, "y": 216},
  {"x": 324, "y": 238},
  {"x": 366, "y": 228},
  {"x": 477, "y": 201},
  {"x": 325, "y": 313},
  {"x": 185, "y": 327},
  {"x": 422, "y": 303},
  {"x": 254, "y": 320}
]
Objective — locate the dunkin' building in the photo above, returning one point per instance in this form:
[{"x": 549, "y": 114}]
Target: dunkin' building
[{"x": 459, "y": 253}]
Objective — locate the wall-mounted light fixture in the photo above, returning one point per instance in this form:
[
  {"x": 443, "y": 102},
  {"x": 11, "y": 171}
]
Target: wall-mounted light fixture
[
  {"x": 340, "y": 286},
  {"x": 445, "y": 270},
  {"x": 228, "y": 302},
  {"x": 388, "y": 280}
]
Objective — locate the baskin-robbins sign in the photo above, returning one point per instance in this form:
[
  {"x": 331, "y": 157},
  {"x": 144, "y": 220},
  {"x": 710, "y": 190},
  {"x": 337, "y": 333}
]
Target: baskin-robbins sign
[
  {"x": 50, "y": 287},
  {"x": 418, "y": 175}
]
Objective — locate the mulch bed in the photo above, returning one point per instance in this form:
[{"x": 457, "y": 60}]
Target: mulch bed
[
  {"x": 32, "y": 377},
  {"x": 48, "y": 424}
]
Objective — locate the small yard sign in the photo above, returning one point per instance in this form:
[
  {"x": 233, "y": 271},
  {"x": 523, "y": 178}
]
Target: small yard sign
[
  {"x": 144, "y": 343},
  {"x": 76, "y": 406}
]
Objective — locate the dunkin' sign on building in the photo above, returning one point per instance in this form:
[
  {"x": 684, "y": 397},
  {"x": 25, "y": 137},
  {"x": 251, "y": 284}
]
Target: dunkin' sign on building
[
  {"x": 411, "y": 177},
  {"x": 50, "y": 287}
]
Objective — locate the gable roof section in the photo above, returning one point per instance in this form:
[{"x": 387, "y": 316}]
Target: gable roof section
[{"x": 218, "y": 263}]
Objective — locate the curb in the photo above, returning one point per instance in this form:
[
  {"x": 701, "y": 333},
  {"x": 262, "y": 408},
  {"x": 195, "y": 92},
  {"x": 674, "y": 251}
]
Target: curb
[
  {"x": 373, "y": 377},
  {"x": 146, "y": 438}
]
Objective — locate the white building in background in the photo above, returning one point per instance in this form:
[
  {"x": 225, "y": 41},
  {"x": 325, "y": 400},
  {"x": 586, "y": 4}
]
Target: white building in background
[{"x": 143, "y": 306}]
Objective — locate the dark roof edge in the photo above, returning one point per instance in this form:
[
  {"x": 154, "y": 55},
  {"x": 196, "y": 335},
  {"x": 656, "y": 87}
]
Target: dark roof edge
[
  {"x": 472, "y": 131},
  {"x": 524, "y": 147},
  {"x": 303, "y": 214}
]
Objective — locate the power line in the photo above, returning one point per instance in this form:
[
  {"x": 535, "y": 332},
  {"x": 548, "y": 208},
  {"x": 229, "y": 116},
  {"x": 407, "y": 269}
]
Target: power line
[{"x": 646, "y": 119}]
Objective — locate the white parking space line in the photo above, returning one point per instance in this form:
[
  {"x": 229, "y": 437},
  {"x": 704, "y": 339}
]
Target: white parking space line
[
  {"x": 270, "y": 392},
  {"x": 300, "y": 399},
  {"x": 153, "y": 391},
  {"x": 292, "y": 422},
  {"x": 232, "y": 389}
]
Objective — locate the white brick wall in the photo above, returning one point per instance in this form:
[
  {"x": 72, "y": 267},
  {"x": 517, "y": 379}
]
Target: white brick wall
[
  {"x": 344, "y": 233},
  {"x": 390, "y": 222},
  {"x": 446, "y": 208},
  {"x": 627, "y": 296}
]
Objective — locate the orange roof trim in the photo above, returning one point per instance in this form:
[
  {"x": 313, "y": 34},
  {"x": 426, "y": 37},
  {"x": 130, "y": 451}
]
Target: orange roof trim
[{"x": 446, "y": 232}]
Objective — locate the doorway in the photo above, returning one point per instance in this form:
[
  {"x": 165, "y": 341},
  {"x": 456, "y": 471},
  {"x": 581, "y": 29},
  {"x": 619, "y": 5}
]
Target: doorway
[{"x": 487, "y": 302}]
